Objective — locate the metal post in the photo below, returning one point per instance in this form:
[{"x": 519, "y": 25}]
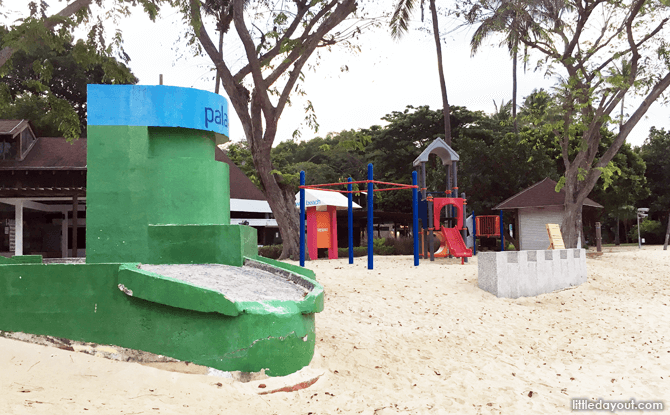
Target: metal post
[
  {"x": 447, "y": 170},
  {"x": 667, "y": 235},
  {"x": 474, "y": 233},
  {"x": 370, "y": 217},
  {"x": 64, "y": 239},
  {"x": 302, "y": 219},
  {"x": 639, "y": 241},
  {"x": 464, "y": 232},
  {"x": 431, "y": 225},
  {"x": 599, "y": 243},
  {"x": 455, "y": 177},
  {"x": 75, "y": 225},
  {"x": 18, "y": 228},
  {"x": 425, "y": 226},
  {"x": 415, "y": 219},
  {"x": 351, "y": 222},
  {"x": 502, "y": 232},
  {"x": 423, "y": 181}
]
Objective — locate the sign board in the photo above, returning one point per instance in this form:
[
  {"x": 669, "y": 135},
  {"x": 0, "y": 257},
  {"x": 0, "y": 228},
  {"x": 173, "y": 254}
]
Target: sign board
[
  {"x": 323, "y": 229},
  {"x": 158, "y": 106},
  {"x": 555, "y": 236}
]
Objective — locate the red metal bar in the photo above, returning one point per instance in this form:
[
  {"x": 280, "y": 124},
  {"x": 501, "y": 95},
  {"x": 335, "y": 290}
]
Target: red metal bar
[{"x": 394, "y": 188}]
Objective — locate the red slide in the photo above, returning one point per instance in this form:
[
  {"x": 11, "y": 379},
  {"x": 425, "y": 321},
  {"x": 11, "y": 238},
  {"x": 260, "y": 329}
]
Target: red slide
[{"x": 455, "y": 243}]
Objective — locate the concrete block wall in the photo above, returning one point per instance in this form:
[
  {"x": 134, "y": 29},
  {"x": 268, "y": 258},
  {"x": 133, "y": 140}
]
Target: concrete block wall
[{"x": 514, "y": 274}]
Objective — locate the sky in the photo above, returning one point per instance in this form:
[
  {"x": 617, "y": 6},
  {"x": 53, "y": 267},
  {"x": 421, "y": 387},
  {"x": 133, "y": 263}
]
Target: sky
[{"x": 385, "y": 76}]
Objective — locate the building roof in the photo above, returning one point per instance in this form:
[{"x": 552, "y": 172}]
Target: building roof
[
  {"x": 12, "y": 126},
  {"x": 240, "y": 185},
  {"x": 441, "y": 149},
  {"x": 323, "y": 198},
  {"x": 51, "y": 153},
  {"x": 55, "y": 153},
  {"x": 541, "y": 194}
]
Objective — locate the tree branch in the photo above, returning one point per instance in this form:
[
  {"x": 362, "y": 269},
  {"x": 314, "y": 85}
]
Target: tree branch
[
  {"x": 49, "y": 24},
  {"x": 333, "y": 19},
  {"x": 628, "y": 126},
  {"x": 254, "y": 63},
  {"x": 239, "y": 96}
]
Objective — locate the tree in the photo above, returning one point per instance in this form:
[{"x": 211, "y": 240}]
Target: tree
[
  {"x": 399, "y": 25},
  {"x": 275, "y": 59},
  {"x": 504, "y": 18},
  {"x": 48, "y": 85},
  {"x": 494, "y": 163},
  {"x": 654, "y": 152},
  {"x": 588, "y": 42},
  {"x": 40, "y": 25},
  {"x": 50, "y": 37}
]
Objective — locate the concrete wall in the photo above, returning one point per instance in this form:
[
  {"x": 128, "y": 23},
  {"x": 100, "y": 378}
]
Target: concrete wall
[
  {"x": 84, "y": 302},
  {"x": 514, "y": 274}
]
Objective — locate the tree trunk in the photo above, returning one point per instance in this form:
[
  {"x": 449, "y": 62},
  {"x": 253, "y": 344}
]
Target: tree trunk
[
  {"x": 571, "y": 227},
  {"x": 282, "y": 202},
  {"x": 446, "y": 110},
  {"x": 218, "y": 73},
  {"x": 625, "y": 230},
  {"x": 617, "y": 238},
  {"x": 510, "y": 239}
]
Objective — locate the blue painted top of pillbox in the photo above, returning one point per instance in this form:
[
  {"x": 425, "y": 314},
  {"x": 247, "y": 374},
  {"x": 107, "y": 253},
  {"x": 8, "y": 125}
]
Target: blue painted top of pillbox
[{"x": 157, "y": 106}]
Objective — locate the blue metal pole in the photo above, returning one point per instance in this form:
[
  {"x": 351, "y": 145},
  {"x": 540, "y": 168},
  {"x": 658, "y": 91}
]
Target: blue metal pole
[
  {"x": 502, "y": 232},
  {"x": 370, "y": 217},
  {"x": 474, "y": 233},
  {"x": 351, "y": 223},
  {"x": 415, "y": 219},
  {"x": 302, "y": 219}
]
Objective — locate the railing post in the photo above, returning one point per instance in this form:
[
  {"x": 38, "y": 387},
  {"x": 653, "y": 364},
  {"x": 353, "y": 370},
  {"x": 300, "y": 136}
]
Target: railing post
[
  {"x": 351, "y": 222},
  {"x": 302, "y": 219},
  {"x": 370, "y": 217},
  {"x": 415, "y": 219},
  {"x": 502, "y": 232}
]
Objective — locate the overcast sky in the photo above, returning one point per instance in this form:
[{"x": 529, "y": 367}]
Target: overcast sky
[{"x": 384, "y": 77}]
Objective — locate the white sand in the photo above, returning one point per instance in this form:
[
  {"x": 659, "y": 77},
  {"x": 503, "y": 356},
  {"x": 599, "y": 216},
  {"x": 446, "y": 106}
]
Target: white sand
[{"x": 400, "y": 339}]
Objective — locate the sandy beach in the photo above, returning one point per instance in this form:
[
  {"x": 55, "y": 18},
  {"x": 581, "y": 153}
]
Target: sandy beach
[{"x": 405, "y": 339}]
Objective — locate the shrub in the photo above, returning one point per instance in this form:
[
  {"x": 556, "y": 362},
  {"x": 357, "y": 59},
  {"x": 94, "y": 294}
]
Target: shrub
[
  {"x": 401, "y": 246},
  {"x": 359, "y": 251},
  {"x": 270, "y": 251},
  {"x": 651, "y": 230}
]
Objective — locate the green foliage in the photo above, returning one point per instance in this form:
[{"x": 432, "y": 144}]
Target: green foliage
[
  {"x": 45, "y": 80},
  {"x": 652, "y": 231},
  {"x": 240, "y": 154},
  {"x": 270, "y": 251},
  {"x": 401, "y": 246},
  {"x": 359, "y": 251},
  {"x": 325, "y": 160},
  {"x": 597, "y": 62},
  {"x": 494, "y": 163},
  {"x": 380, "y": 247},
  {"x": 654, "y": 152}
]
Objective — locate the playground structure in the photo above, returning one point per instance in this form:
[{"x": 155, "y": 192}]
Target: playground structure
[
  {"x": 165, "y": 270},
  {"x": 451, "y": 238},
  {"x": 488, "y": 226},
  {"x": 321, "y": 212},
  {"x": 370, "y": 204}
]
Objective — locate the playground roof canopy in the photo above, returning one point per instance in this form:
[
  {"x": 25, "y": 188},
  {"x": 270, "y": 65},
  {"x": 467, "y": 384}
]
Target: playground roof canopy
[
  {"x": 323, "y": 198},
  {"x": 441, "y": 149},
  {"x": 541, "y": 194}
]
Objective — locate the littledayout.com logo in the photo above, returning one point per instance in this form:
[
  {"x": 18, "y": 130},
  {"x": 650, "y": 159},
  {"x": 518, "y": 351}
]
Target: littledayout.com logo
[{"x": 216, "y": 116}]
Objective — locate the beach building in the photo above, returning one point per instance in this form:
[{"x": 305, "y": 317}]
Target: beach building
[
  {"x": 536, "y": 206},
  {"x": 43, "y": 195}
]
